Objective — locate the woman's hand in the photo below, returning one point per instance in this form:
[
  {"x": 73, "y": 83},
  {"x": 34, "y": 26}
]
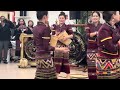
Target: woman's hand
[
  {"x": 93, "y": 34},
  {"x": 57, "y": 33},
  {"x": 64, "y": 38},
  {"x": 52, "y": 27}
]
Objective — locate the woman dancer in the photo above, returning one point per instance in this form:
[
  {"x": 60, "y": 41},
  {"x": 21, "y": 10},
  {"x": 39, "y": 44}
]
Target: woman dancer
[
  {"x": 61, "y": 58},
  {"x": 92, "y": 31},
  {"x": 108, "y": 43}
]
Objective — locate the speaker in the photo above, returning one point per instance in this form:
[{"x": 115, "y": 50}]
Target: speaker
[{"x": 75, "y": 15}]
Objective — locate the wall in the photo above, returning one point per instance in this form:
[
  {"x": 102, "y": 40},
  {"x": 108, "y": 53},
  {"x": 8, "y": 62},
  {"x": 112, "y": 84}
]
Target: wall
[
  {"x": 53, "y": 16},
  {"x": 2, "y": 13},
  {"x": 31, "y": 15}
]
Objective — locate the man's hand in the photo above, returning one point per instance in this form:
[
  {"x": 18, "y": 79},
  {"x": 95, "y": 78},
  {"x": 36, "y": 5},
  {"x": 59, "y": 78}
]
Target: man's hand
[
  {"x": 66, "y": 49},
  {"x": 119, "y": 42}
]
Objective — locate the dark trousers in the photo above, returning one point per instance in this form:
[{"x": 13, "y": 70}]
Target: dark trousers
[{"x": 4, "y": 45}]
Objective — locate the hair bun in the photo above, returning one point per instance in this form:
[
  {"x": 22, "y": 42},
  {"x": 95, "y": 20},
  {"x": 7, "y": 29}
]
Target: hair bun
[{"x": 62, "y": 13}]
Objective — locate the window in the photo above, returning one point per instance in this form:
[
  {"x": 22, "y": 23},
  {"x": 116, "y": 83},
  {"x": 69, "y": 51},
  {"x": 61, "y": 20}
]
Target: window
[{"x": 23, "y": 13}]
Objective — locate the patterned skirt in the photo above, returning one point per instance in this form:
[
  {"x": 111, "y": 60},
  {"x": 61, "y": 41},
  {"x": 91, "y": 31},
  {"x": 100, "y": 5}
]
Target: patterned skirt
[
  {"x": 61, "y": 60},
  {"x": 45, "y": 69},
  {"x": 107, "y": 68},
  {"x": 91, "y": 62}
]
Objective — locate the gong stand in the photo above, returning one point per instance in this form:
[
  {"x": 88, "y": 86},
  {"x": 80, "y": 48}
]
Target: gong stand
[{"x": 23, "y": 36}]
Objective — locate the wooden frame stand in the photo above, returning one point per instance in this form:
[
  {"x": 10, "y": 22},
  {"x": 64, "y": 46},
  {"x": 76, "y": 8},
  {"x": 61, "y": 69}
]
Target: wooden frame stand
[{"x": 23, "y": 61}]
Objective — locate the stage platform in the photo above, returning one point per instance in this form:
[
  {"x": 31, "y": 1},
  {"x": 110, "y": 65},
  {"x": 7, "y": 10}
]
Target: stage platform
[{"x": 11, "y": 71}]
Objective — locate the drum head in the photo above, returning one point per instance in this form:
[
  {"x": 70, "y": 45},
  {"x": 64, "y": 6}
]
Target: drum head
[{"x": 30, "y": 50}]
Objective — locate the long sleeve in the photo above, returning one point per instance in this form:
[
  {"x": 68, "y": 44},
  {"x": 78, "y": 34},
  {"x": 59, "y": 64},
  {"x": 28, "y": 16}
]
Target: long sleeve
[
  {"x": 118, "y": 27},
  {"x": 11, "y": 25},
  {"x": 107, "y": 41},
  {"x": 46, "y": 40},
  {"x": 118, "y": 23},
  {"x": 116, "y": 36},
  {"x": 69, "y": 30},
  {"x": 87, "y": 29},
  {"x": 15, "y": 32}
]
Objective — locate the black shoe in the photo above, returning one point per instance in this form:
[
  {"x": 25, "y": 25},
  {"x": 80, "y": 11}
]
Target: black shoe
[{"x": 5, "y": 62}]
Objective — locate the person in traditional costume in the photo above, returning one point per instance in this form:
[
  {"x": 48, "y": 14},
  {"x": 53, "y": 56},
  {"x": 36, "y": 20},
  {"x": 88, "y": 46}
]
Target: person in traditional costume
[
  {"x": 61, "y": 58},
  {"x": 107, "y": 63},
  {"x": 41, "y": 37},
  {"x": 92, "y": 31}
]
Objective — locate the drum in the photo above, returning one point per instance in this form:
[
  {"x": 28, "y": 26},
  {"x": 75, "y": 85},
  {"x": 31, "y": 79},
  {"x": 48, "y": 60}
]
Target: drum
[
  {"x": 61, "y": 36},
  {"x": 53, "y": 41}
]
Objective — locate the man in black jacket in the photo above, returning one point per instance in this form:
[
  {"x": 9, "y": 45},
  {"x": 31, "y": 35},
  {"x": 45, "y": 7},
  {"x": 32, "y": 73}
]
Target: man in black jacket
[
  {"x": 11, "y": 25},
  {"x": 5, "y": 34}
]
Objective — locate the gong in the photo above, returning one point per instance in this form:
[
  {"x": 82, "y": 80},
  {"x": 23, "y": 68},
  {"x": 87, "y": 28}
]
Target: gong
[
  {"x": 30, "y": 49},
  {"x": 77, "y": 49}
]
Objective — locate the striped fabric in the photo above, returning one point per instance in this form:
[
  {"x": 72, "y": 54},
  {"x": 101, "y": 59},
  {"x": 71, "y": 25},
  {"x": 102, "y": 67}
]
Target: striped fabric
[
  {"x": 45, "y": 69},
  {"x": 107, "y": 68},
  {"x": 91, "y": 61}
]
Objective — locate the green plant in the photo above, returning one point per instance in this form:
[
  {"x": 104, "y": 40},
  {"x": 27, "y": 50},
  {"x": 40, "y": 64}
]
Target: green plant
[{"x": 84, "y": 19}]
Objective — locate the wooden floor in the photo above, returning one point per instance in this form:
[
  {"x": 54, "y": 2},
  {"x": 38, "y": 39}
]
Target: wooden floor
[{"x": 11, "y": 71}]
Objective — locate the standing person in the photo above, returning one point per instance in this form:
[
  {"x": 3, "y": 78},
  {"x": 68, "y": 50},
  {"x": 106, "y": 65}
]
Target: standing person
[
  {"x": 92, "y": 30},
  {"x": 30, "y": 27},
  {"x": 10, "y": 25},
  {"x": 4, "y": 39},
  {"x": 13, "y": 42},
  {"x": 20, "y": 28},
  {"x": 61, "y": 58},
  {"x": 41, "y": 36},
  {"x": 108, "y": 43}
]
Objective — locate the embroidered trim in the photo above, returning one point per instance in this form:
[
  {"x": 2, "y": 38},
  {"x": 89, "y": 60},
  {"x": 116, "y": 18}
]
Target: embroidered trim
[
  {"x": 109, "y": 53},
  {"x": 46, "y": 37},
  {"x": 91, "y": 40},
  {"x": 106, "y": 39},
  {"x": 52, "y": 30}
]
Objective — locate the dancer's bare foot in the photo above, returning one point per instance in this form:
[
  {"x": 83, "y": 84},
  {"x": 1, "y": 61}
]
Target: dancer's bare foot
[{"x": 68, "y": 76}]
